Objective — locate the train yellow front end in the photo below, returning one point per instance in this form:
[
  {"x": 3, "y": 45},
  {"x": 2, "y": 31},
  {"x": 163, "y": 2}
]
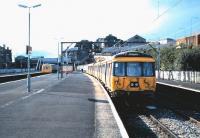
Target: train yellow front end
[
  {"x": 46, "y": 68},
  {"x": 133, "y": 75}
]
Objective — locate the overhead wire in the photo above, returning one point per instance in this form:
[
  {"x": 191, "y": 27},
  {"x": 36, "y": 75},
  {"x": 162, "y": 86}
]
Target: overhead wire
[{"x": 166, "y": 11}]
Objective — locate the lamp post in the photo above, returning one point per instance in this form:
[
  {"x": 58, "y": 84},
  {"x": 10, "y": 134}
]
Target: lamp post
[
  {"x": 62, "y": 63},
  {"x": 58, "y": 67},
  {"x": 58, "y": 60},
  {"x": 29, "y": 43}
]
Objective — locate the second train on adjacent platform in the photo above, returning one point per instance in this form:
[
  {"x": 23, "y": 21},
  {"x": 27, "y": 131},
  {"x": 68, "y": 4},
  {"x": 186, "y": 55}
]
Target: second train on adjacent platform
[
  {"x": 126, "y": 73},
  {"x": 51, "y": 68}
]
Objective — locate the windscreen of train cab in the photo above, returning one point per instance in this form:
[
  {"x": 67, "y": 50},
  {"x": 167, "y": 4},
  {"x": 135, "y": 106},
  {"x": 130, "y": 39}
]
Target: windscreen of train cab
[
  {"x": 137, "y": 69},
  {"x": 134, "y": 69},
  {"x": 119, "y": 69}
]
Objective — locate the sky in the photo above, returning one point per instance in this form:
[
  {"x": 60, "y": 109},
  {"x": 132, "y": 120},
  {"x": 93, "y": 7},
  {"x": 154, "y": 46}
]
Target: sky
[{"x": 74, "y": 20}]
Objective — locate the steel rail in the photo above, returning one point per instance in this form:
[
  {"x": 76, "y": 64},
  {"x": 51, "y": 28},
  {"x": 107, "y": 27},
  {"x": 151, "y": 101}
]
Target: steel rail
[
  {"x": 189, "y": 118},
  {"x": 164, "y": 128}
]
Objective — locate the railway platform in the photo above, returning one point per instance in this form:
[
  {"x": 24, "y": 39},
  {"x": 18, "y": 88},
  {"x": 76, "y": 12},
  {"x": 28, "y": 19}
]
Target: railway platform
[
  {"x": 185, "y": 93},
  {"x": 179, "y": 84},
  {"x": 75, "y": 106}
]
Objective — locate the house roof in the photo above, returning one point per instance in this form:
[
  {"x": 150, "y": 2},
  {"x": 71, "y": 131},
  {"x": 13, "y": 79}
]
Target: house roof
[{"x": 136, "y": 39}]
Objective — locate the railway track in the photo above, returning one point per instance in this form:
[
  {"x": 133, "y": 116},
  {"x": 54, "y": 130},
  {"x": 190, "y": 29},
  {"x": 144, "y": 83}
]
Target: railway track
[
  {"x": 160, "y": 129},
  {"x": 191, "y": 115},
  {"x": 164, "y": 121},
  {"x": 184, "y": 115},
  {"x": 140, "y": 121},
  {"x": 178, "y": 121},
  {"x": 168, "y": 132},
  {"x": 179, "y": 125}
]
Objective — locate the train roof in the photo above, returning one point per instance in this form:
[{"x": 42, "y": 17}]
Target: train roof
[{"x": 132, "y": 54}]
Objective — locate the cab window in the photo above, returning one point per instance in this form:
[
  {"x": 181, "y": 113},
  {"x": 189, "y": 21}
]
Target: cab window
[
  {"x": 119, "y": 69},
  {"x": 134, "y": 69},
  {"x": 148, "y": 69}
]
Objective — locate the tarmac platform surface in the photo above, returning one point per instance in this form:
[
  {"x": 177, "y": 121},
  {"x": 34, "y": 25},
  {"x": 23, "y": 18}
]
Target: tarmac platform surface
[{"x": 75, "y": 106}]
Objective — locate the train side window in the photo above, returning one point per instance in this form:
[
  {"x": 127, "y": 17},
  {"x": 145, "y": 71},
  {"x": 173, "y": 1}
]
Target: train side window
[{"x": 119, "y": 69}]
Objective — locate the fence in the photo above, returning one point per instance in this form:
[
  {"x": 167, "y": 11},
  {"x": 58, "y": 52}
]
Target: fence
[
  {"x": 7, "y": 71},
  {"x": 185, "y": 76}
]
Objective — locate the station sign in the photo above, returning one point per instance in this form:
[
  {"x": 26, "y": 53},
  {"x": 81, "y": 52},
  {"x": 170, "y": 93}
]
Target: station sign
[{"x": 28, "y": 49}]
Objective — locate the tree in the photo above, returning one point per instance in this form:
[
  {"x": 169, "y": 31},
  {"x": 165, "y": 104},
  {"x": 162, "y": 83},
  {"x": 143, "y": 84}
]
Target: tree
[
  {"x": 189, "y": 59},
  {"x": 85, "y": 49},
  {"x": 179, "y": 59},
  {"x": 84, "y": 45},
  {"x": 110, "y": 40},
  {"x": 97, "y": 48}
]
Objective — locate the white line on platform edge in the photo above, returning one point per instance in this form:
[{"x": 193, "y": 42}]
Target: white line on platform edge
[
  {"x": 22, "y": 79},
  {"x": 121, "y": 127},
  {"x": 190, "y": 89},
  {"x": 11, "y": 81}
]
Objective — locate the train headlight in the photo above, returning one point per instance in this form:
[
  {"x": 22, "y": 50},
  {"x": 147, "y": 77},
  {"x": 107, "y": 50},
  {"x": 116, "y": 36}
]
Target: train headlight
[{"x": 134, "y": 84}]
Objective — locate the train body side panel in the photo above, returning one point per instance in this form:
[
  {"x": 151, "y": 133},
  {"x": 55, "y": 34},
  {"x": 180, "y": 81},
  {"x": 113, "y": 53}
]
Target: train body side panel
[
  {"x": 108, "y": 75},
  {"x": 100, "y": 71}
]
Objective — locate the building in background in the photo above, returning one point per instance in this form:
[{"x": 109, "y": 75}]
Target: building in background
[
  {"x": 193, "y": 40},
  {"x": 167, "y": 41},
  {"x": 21, "y": 62},
  {"x": 135, "y": 41},
  {"x": 5, "y": 57}
]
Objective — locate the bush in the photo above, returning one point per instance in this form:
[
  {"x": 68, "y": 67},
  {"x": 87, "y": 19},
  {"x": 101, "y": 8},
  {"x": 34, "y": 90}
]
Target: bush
[
  {"x": 189, "y": 59},
  {"x": 168, "y": 57},
  {"x": 185, "y": 59}
]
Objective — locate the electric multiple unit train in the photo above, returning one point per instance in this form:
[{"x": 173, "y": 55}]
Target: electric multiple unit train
[{"x": 126, "y": 73}]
